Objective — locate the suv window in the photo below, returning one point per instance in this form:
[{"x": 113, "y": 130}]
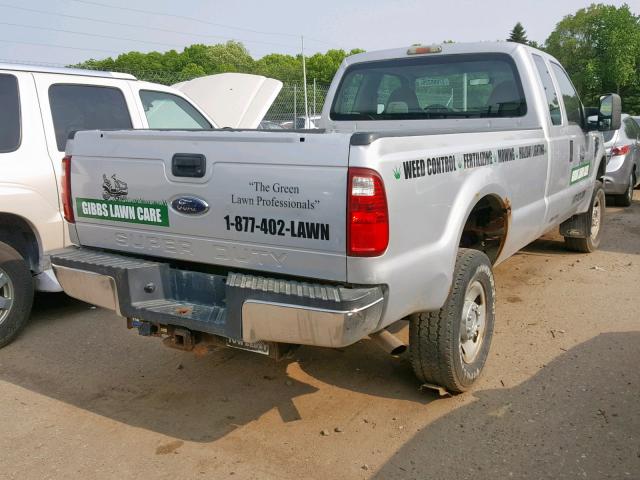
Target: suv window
[
  {"x": 549, "y": 90},
  {"x": 10, "y": 114},
  {"x": 165, "y": 110},
  {"x": 86, "y": 107},
  {"x": 572, "y": 103},
  {"x": 476, "y": 85}
]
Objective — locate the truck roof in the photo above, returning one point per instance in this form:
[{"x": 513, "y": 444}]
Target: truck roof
[
  {"x": 65, "y": 71},
  {"x": 447, "y": 48}
]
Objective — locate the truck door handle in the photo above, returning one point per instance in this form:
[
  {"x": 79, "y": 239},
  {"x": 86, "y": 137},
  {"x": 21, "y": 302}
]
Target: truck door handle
[
  {"x": 570, "y": 151},
  {"x": 190, "y": 165}
]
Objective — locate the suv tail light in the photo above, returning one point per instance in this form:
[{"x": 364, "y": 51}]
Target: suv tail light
[
  {"x": 65, "y": 190},
  {"x": 368, "y": 217},
  {"x": 622, "y": 150}
]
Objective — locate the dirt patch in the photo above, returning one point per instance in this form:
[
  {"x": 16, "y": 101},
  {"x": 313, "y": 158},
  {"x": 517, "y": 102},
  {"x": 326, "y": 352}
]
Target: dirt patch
[{"x": 168, "y": 448}]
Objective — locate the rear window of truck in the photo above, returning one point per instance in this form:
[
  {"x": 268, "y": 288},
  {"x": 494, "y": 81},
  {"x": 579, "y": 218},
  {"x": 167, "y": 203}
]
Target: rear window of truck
[
  {"x": 426, "y": 87},
  {"x": 86, "y": 107},
  {"x": 9, "y": 114}
]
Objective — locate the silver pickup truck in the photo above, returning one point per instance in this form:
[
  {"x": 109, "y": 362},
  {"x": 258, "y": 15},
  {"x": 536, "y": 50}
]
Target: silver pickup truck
[{"x": 434, "y": 164}]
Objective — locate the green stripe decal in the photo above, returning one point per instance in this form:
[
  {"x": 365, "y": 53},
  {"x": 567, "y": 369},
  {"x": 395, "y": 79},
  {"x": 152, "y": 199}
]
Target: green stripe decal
[{"x": 130, "y": 211}]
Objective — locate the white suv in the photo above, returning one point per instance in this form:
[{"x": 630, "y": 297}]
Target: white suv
[{"x": 39, "y": 108}]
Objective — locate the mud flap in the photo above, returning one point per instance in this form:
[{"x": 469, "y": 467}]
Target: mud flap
[{"x": 578, "y": 226}]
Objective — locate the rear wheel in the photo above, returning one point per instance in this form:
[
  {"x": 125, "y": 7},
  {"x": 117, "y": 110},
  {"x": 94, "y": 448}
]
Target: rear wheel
[
  {"x": 16, "y": 293},
  {"x": 595, "y": 219},
  {"x": 449, "y": 347},
  {"x": 626, "y": 199}
]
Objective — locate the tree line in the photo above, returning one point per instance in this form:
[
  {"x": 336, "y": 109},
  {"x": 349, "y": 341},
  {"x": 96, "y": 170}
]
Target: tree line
[
  {"x": 198, "y": 60},
  {"x": 600, "y": 48},
  {"x": 598, "y": 45}
]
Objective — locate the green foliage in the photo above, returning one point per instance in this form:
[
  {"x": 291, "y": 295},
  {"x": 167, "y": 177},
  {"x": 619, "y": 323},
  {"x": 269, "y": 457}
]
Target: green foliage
[
  {"x": 534, "y": 44},
  {"x": 600, "y": 48},
  {"x": 323, "y": 66},
  {"x": 198, "y": 60},
  {"x": 518, "y": 34}
]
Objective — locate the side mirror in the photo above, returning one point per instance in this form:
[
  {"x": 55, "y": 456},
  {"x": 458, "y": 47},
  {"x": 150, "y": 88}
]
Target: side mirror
[{"x": 610, "y": 112}]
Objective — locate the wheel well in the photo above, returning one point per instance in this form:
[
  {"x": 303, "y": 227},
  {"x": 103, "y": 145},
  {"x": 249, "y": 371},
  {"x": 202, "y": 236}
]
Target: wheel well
[
  {"x": 602, "y": 169},
  {"x": 18, "y": 234},
  {"x": 486, "y": 227}
]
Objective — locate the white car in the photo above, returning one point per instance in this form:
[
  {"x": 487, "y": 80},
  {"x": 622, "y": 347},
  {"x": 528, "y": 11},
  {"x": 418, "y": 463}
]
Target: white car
[{"x": 40, "y": 108}]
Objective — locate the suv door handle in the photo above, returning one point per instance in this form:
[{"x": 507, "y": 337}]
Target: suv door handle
[{"x": 189, "y": 165}]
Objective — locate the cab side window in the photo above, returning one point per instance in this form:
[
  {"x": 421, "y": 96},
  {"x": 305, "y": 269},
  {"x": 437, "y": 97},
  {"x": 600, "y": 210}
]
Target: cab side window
[
  {"x": 86, "y": 107},
  {"x": 9, "y": 114},
  {"x": 549, "y": 90},
  {"x": 572, "y": 103}
]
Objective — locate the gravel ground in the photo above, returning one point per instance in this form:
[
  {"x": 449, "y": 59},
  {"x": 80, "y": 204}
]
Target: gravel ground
[{"x": 82, "y": 397}]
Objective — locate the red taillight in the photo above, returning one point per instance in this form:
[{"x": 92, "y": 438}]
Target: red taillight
[
  {"x": 65, "y": 190},
  {"x": 623, "y": 150},
  {"x": 368, "y": 218}
]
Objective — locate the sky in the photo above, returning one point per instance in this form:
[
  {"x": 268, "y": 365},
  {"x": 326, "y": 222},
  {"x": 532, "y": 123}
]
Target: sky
[{"x": 63, "y": 32}]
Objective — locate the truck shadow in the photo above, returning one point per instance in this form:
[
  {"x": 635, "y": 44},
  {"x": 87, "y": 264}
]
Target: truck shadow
[
  {"x": 579, "y": 415},
  {"x": 623, "y": 228},
  {"x": 621, "y": 233},
  {"x": 85, "y": 357}
]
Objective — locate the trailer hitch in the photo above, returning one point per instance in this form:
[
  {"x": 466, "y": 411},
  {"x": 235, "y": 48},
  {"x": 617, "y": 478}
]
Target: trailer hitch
[{"x": 180, "y": 339}]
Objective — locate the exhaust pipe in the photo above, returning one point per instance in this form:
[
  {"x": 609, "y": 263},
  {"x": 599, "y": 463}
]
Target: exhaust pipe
[{"x": 388, "y": 342}]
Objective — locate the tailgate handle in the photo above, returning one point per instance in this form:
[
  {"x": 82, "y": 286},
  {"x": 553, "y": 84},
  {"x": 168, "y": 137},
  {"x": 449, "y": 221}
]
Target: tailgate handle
[{"x": 191, "y": 165}]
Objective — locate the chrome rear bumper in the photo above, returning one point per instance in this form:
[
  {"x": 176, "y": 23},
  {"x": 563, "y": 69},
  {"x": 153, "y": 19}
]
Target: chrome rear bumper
[{"x": 235, "y": 306}]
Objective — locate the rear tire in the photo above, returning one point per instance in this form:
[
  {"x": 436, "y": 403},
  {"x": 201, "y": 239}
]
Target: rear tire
[
  {"x": 16, "y": 294},
  {"x": 449, "y": 347},
  {"x": 626, "y": 199},
  {"x": 595, "y": 219}
]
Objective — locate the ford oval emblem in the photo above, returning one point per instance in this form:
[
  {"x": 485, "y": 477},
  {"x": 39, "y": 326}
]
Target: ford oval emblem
[{"x": 190, "y": 206}]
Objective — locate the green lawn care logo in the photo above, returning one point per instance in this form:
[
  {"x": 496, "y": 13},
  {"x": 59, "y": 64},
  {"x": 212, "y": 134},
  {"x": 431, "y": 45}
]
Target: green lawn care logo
[
  {"x": 131, "y": 211},
  {"x": 580, "y": 172},
  {"x": 396, "y": 173}
]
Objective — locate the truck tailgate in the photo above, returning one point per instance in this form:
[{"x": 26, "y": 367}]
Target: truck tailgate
[{"x": 255, "y": 200}]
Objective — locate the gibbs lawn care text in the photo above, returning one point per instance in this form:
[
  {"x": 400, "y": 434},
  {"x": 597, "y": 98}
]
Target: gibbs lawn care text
[{"x": 131, "y": 211}]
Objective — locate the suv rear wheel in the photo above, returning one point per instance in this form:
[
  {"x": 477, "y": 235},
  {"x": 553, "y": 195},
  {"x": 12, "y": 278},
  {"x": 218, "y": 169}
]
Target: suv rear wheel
[
  {"x": 449, "y": 347},
  {"x": 16, "y": 293}
]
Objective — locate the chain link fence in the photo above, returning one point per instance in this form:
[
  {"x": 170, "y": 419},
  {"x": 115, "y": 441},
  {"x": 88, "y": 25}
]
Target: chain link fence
[{"x": 288, "y": 109}]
